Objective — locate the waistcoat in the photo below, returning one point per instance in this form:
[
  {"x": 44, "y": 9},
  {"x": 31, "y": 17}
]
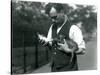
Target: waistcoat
[{"x": 61, "y": 59}]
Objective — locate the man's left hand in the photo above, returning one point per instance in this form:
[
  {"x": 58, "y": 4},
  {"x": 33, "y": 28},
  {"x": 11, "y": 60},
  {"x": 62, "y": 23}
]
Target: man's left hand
[{"x": 64, "y": 47}]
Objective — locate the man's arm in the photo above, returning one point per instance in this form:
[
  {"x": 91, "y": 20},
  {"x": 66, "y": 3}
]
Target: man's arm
[
  {"x": 78, "y": 38},
  {"x": 80, "y": 51}
]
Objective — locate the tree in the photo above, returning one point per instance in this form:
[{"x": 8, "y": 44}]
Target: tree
[{"x": 27, "y": 16}]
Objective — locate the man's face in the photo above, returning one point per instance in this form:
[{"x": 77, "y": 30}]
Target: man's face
[
  {"x": 53, "y": 15},
  {"x": 56, "y": 18}
]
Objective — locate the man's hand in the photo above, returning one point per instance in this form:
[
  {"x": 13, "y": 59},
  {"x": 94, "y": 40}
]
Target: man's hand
[
  {"x": 64, "y": 47},
  {"x": 80, "y": 51},
  {"x": 43, "y": 42}
]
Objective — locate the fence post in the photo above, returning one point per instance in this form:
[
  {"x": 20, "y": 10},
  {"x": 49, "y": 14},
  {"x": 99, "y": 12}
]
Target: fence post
[
  {"x": 36, "y": 51},
  {"x": 47, "y": 55},
  {"x": 24, "y": 52}
]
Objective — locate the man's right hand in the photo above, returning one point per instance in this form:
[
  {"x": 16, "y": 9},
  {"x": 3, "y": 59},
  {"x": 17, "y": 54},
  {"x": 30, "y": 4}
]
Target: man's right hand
[
  {"x": 44, "y": 43},
  {"x": 44, "y": 40}
]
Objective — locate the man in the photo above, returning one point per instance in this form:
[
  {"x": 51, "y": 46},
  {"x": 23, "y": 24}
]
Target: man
[{"x": 60, "y": 33}]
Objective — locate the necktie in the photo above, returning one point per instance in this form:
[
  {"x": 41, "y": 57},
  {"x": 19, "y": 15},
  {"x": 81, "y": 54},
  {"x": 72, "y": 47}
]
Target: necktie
[
  {"x": 54, "y": 35},
  {"x": 54, "y": 31}
]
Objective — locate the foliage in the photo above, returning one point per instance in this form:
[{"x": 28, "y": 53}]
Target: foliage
[{"x": 27, "y": 18}]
